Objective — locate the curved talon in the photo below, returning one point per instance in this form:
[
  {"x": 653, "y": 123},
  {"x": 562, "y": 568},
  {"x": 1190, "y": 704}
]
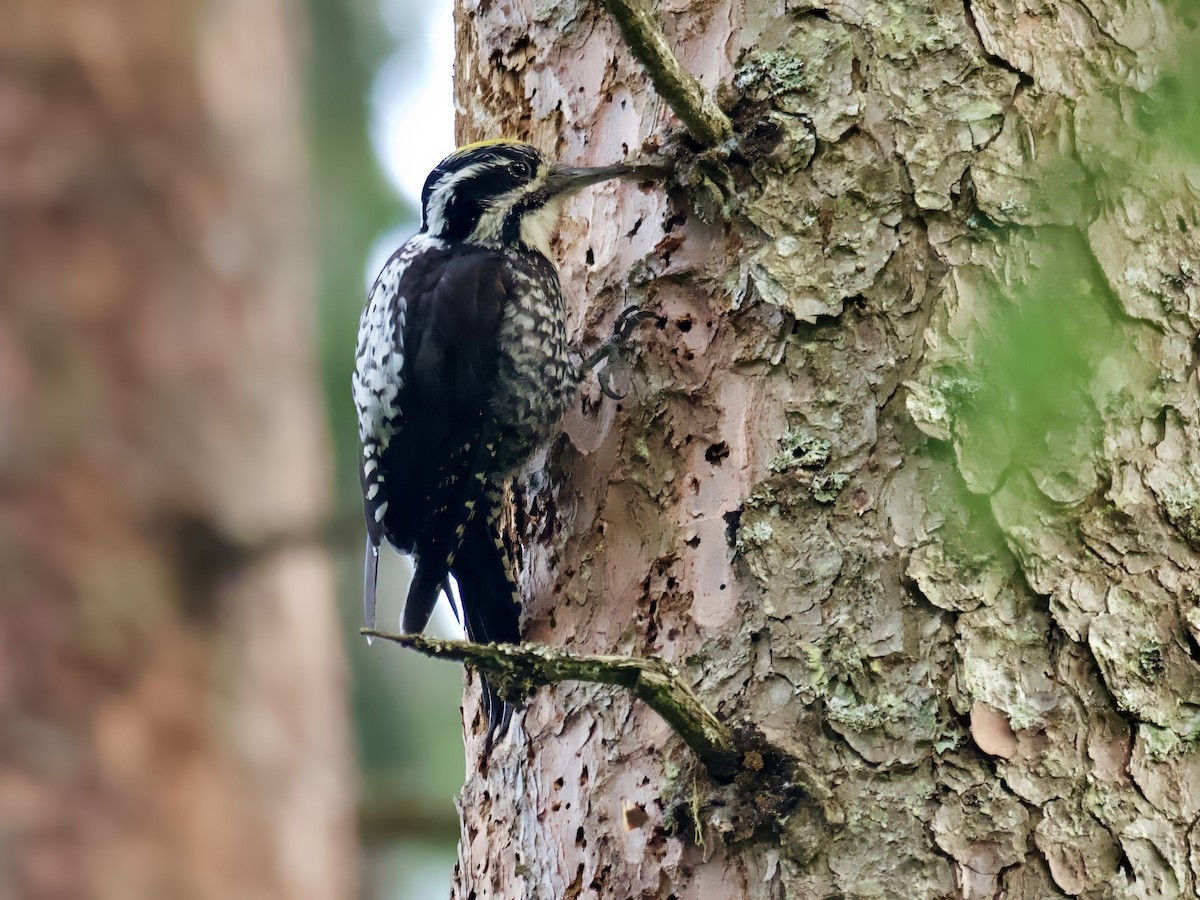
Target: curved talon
[
  {"x": 628, "y": 319},
  {"x": 604, "y": 376},
  {"x": 610, "y": 351}
]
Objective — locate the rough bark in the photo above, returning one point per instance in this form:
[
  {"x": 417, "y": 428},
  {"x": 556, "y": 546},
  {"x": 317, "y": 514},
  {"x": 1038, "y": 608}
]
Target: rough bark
[
  {"x": 171, "y": 711},
  {"x": 907, "y": 475}
]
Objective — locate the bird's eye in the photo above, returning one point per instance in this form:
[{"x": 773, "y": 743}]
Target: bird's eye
[{"x": 520, "y": 169}]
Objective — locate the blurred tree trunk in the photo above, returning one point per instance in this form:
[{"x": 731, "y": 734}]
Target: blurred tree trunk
[
  {"x": 171, "y": 701},
  {"x": 907, "y": 477}
]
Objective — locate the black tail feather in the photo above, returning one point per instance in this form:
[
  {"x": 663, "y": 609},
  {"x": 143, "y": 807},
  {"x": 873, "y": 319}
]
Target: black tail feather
[
  {"x": 422, "y": 596},
  {"x": 490, "y": 604},
  {"x": 370, "y": 581}
]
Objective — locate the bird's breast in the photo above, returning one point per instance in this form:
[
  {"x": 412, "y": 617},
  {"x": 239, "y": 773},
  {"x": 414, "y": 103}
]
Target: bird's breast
[{"x": 536, "y": 376}]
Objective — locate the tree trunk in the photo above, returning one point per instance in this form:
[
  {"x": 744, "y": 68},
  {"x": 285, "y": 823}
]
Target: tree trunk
[
  {"x": 907, "y": 474},
  {"x": 170, "y": 673}
]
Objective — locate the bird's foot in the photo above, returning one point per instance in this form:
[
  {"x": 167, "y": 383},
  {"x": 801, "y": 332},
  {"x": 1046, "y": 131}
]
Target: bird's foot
[{"x": 611, "y": 352}]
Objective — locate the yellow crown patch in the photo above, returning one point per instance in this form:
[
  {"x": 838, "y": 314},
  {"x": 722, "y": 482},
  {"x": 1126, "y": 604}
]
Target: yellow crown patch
[{"x": 491, "y": 142}]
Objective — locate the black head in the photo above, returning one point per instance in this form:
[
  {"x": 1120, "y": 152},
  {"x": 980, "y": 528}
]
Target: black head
[{"x": 501, "y": 192}]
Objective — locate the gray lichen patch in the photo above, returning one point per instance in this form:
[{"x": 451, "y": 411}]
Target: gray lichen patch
[
  {"x": 755, "y": 533},
  {"x": 1181, "y": 503},
  {"x": 888, "y": 725},
  {"x": 826, "y": 486},
  {"x": 930, "y": 410},
  {"x": 1005, "y": 659},
  {"x": 806, "y": 70},
  {"x": 772, "y": 73},
  {"x": 799, "y": 448},
  {"x": 769, "y": 544}
]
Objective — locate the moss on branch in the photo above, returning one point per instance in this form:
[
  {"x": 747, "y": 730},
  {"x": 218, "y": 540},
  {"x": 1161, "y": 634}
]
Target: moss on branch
[
  {"x": 518, "y": 670},
  {"x": 675, "y": 84}
]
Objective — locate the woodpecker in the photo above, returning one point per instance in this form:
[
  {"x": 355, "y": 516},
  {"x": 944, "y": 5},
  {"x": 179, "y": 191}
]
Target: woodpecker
[{"x": 462, "y": 372}]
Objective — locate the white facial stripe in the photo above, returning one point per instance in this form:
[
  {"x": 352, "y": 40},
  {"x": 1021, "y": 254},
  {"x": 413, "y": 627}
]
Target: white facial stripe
[
  {"x": 489, "y": 226},
  {"x": 435, "y": 210}
]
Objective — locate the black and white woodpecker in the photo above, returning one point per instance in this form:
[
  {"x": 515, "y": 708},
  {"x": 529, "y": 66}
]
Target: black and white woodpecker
[{"x": 462, "y": 372}]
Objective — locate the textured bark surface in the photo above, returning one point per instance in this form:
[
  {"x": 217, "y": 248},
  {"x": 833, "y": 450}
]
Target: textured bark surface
[
  {"x": 171, "y": 711},
  {"x": 907, "y": 476}
]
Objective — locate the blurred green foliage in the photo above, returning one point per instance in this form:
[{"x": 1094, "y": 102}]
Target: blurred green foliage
[
  {"x": 1025, "y": 398},
  {"x": 405, "y": 708},
  {"x": 354, "y": 202}
]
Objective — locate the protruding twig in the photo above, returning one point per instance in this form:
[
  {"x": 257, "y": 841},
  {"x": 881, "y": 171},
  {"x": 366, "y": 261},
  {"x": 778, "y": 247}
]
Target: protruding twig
[
  {"x": 518, "y": 670},
  {"x": 386, "y": 818},
  {"x": 674, "y": 83}
]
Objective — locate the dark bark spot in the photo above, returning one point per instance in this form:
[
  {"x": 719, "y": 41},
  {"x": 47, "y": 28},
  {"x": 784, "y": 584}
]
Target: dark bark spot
[
  {"x": 598, "y": 882},
  {"x": 716, "y": 453},
  {"x": 636, "y": 816},
  {"x": 575, "y": 888},
  {"x": 733, "y": 523}
]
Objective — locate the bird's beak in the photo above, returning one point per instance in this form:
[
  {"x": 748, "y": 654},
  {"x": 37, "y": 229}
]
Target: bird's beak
[{"x": 565, "y": 180}]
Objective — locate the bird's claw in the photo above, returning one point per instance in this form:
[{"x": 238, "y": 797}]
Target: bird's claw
[
  {"x": 610, "y": 351},
  {"x": 629, "y": 319},
  {"x": 604, "y": 377}
]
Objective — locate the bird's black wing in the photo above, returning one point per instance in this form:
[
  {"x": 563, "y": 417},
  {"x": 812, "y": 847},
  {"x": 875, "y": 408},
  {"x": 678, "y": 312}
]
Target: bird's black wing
[{"x": 424, "y": 377}]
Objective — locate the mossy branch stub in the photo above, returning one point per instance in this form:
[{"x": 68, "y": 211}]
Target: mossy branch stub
[
  {"x": 519, "y": 670},
  {"x": 675, "y": 84}
]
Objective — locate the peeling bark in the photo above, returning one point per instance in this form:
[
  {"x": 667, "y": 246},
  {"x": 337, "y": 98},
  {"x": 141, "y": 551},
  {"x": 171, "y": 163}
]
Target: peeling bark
[{"x": 906, "y": 477}]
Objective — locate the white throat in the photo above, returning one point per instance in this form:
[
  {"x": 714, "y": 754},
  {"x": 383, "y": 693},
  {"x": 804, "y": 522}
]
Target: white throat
[{"x": 538, "y": 227}]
